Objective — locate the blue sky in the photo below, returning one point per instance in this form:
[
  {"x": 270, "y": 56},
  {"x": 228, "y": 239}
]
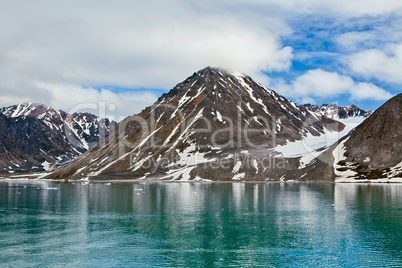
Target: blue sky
[
  {"x": 125, "y": 54},
  {"x": 322, "y": 43}
]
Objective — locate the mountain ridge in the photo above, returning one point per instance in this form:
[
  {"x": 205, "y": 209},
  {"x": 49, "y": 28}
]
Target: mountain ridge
[
  {"x": 35, "y": 137},
  {"x": 213, "y": 116},
  {"x": 338, "y": 112}
]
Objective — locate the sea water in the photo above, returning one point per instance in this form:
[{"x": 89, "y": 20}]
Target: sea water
[{"x": 199, "y": 224}]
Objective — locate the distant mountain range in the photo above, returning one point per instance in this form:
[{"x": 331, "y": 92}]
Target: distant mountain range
[
  {"x": 34, "y": 137},
  {"x": 338, "y": 112},
  {"x": 213, "y": 126}
]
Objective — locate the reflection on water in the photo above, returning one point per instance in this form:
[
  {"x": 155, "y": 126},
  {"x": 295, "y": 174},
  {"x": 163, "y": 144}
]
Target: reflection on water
[{"x": 196, "y": 224}]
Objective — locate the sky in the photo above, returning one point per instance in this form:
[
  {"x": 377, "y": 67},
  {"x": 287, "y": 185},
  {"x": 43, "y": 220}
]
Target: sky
[{"x": 114, "y": 58}]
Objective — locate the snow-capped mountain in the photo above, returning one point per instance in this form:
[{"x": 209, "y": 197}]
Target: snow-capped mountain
[
  {"x": 211, "y": 119},
  {"x": 371, "y": 151},
  {"x": 338, "y": 112},
  {"x": 35, "y": 137}
]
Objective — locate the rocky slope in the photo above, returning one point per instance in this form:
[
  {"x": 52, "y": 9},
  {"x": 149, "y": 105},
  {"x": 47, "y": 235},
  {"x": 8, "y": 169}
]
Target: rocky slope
[
  {"x": 338, "y": 112},
  {"x": 34, "y": 137},
  {"x": 372, "y": 151},
  {"x": 214, "y": 125}
]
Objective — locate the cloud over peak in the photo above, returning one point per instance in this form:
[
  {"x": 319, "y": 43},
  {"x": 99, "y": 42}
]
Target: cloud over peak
[{"x": 323, "y": 84}]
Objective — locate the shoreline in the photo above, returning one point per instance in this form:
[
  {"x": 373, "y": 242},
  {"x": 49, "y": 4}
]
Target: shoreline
[{"x": 37, "y": 178}]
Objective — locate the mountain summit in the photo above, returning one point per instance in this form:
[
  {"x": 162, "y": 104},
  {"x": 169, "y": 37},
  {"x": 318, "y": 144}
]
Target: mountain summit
[
  {"x": 338, "y": 112},
  {"x": 34, "y": 137},
  {"x": 214, "y": 125}
]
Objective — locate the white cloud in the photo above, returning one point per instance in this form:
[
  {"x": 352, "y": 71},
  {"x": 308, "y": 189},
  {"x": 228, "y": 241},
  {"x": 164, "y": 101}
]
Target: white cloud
[
  {"x": 345, "y": 8},
  {"x": 135, "y": 44},
  {"x": 147, "y": 44},
  {"x": 385, "y": 65},
  {"x": 316, "y": 83},
  {"x": 355, "y": 40},
  {"x": 72, "y": 99},
  {"x": 154, "y": 44},
  {"x": 321, "y": 84},
  {"x": 363, "y": 90},
  {"x": 75, "y": 98}
]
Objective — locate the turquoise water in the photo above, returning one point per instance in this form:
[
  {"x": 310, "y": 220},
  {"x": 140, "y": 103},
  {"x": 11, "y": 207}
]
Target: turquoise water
[{"x": 199, "y": 225}]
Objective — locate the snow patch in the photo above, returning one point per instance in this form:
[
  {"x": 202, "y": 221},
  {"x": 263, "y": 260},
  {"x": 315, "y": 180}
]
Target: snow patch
[
  {"x": 201, "y": 179},
  {"x": 239, "y": 176},
  {"x": 183, "y": 174},
  {"x": 255, "y": 165},
  {"x": 394, "y": 171},
  {"x": 191, "y": 156},
  {"x": 239, "y": 77},
  {"x": 237, "y": 167},
  {"x": 198, "y": 116},
  {"x": 249, "y": 107},
  {"x": 219, "y": 116},
  {"x": 338, "y": 154},
  {"x": 186, "y": 99},
  {"x": 308, "y": 147},
  {"x": 47, "y": 166}
]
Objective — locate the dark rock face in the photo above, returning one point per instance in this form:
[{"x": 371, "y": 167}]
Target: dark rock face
[
  {"x": 376, "y": 145},
  {"x": 372, "y": 151},
  {"x": 34, "y": 137},
  {"x": 214, "y": 125},
  {"x": 338, "y": 112}
]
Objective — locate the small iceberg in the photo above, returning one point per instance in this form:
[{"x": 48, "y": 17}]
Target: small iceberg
[
  {"x": 52, "y": 188},
  {"x": 107, "y": 183}
]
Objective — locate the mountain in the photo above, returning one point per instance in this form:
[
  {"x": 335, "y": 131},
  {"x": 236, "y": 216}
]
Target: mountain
[
  {"x": 372, "y": 151},
  {"x": 213, "y": 125},
  {"x": 34, "y": 137},
  {"x": 338, "y": 112}
]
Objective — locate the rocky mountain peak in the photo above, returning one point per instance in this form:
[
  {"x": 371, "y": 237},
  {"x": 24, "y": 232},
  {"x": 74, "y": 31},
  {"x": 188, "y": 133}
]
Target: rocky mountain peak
[
  {"x": 33, "y": 134},
  {"x": 338, "y": 112},
  {"x": 211, "y": 115},
  {"x": 24, "y": 110},
  {"x": 379, "y": 137},
  {"x": 206, "y": 76}
]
